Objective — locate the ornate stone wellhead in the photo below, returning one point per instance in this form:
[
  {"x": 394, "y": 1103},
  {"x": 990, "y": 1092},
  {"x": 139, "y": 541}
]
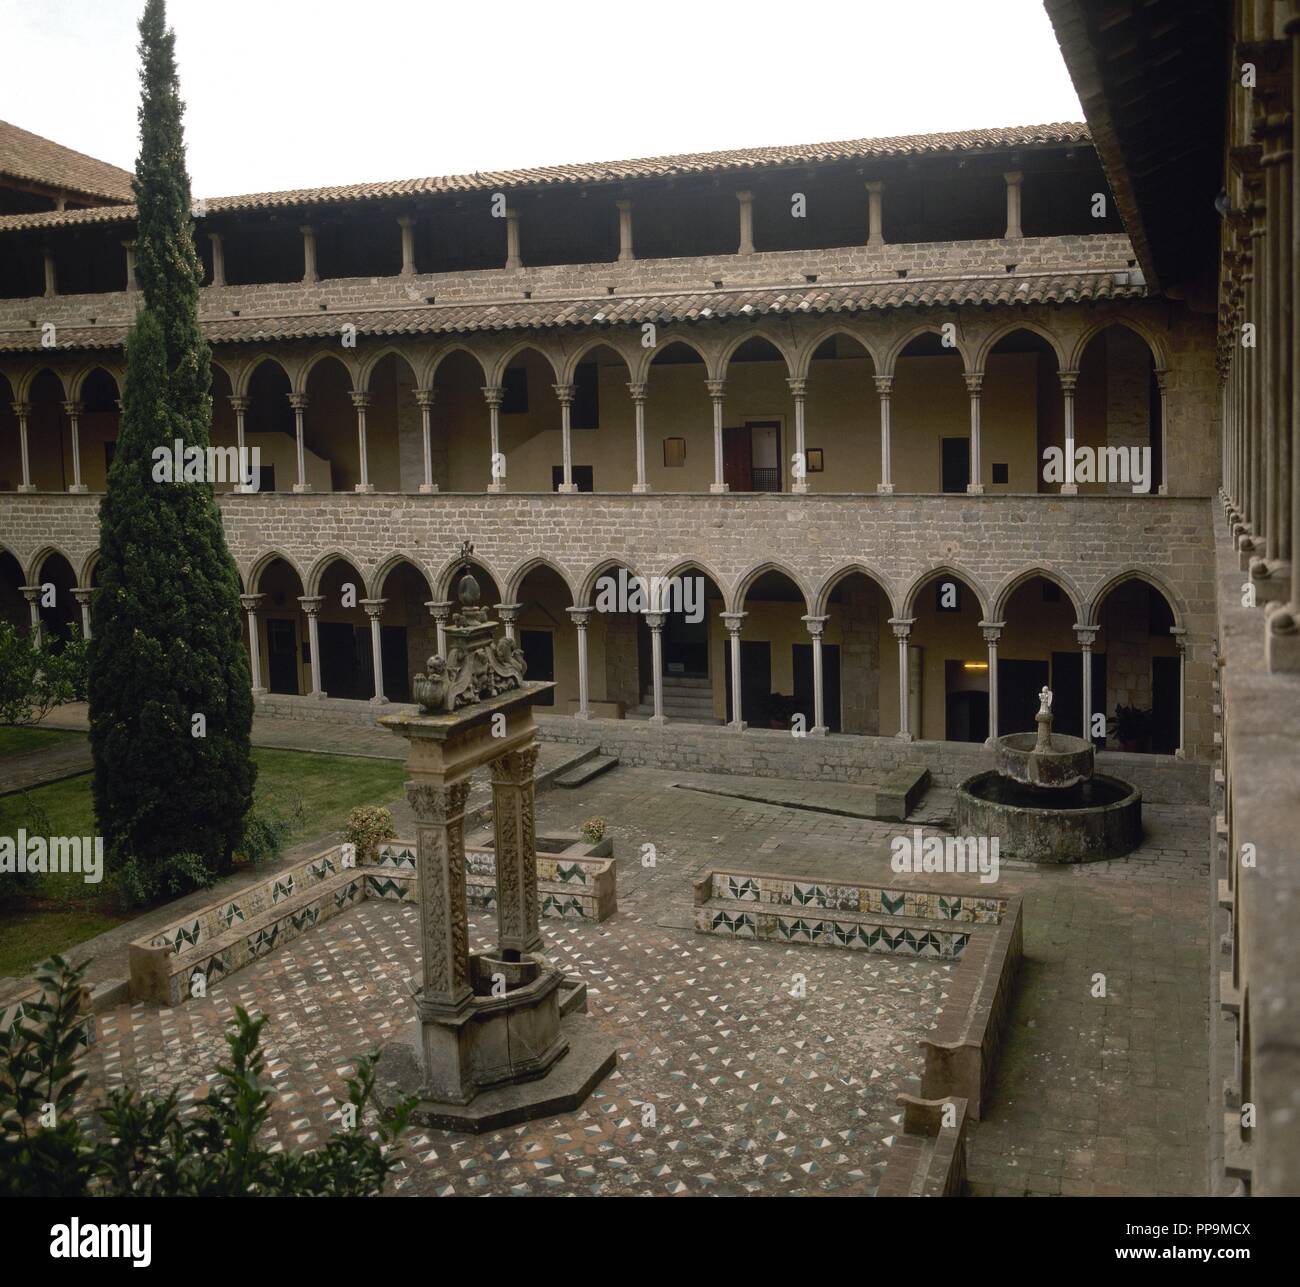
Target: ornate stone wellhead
[{"x": 478, "y": 666}]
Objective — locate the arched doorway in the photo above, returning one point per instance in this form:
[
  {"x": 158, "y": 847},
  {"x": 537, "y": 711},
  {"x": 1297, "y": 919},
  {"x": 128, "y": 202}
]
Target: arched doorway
[
  {"x": 948, "y": 671},
  {"x": 1142, "y": 668},
  {"x": 772, "y": 636}
]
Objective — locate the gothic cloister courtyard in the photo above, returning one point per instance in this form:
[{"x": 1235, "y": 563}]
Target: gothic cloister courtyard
[{"x": 727, "y": 1083}]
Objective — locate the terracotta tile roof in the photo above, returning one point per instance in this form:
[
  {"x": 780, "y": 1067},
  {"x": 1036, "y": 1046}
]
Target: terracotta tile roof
[
  {"x": 702, "y": 306},
  {"x": 741, "y": 160},
  {"x": 33, "y": 159}
]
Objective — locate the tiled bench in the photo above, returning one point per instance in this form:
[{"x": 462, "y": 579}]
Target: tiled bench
[
  {"x": 573, "y": 884},
  {"x": 785, "y": 909},
  {"x": 225, "y": 936},
  {"x": 19, "y": 1007}
]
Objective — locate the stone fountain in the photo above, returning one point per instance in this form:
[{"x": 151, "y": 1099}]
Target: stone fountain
[
  {"x": 1045, "y": 803},
  {"x": 498, "y": 1036}
]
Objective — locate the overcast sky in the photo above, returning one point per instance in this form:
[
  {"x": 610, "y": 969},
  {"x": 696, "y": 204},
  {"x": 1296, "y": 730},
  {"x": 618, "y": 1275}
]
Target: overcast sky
[{"x": 302, "y": 93}]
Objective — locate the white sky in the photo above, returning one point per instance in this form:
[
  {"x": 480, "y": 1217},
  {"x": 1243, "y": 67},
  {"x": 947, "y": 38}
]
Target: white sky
[{"x": 304, "y": 93}]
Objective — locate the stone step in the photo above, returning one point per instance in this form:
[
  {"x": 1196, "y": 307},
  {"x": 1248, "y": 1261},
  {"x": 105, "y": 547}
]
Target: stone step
[{"x": 588, "y": 769}]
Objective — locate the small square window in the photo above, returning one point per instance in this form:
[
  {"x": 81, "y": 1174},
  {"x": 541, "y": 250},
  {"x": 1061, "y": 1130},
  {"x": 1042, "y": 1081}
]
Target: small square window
[
  {"x": 674, "y": 453},
  {"x": 816, "y": 462},
  {"x": 1001, "y": 473}
]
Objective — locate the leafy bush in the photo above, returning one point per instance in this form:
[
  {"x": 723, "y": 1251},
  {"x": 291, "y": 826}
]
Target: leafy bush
[
  {"x": 266, "y": 834},
  {"x": 35, "y": 680},
  {"x": 593, "y": 830},
  {"x": 139, "y": 883},
  {"x": 367, "y": 825},
  {"x": 146, "y": 1148}
]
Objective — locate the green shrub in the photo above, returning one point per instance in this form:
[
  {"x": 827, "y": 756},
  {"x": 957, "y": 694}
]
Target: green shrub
[
  {"x": 367, "y": 825},
  {"x": 145, "y": 1147},
  {"x": 35, "y": 680},
  {"x": 265, "y": 835},
  {"x": 593, "y": 830}
]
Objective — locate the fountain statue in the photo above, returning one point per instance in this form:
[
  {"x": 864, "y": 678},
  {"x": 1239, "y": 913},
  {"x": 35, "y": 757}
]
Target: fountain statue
[{"x": 1044, "y": 802}]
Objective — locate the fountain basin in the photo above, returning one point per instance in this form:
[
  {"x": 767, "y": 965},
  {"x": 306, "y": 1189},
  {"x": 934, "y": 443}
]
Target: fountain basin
[
  {"x": 1099, "y": 817},
  {"x": 1062, "y": 762}
]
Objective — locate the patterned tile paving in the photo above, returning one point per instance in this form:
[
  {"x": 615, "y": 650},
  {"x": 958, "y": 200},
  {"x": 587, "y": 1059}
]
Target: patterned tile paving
[{"x": 727, "y": 1082}]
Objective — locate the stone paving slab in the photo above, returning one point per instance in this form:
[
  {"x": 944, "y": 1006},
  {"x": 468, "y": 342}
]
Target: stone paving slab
[
  {"x": 753, "y": 1090},
  {"x": 828, "y": 797}
]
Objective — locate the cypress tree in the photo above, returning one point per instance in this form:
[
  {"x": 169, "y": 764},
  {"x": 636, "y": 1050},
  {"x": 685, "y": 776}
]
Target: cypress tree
[{"x": 167, "y": 638}]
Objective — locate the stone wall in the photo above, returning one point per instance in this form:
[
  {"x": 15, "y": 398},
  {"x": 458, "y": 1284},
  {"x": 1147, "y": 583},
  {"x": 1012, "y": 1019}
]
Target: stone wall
[{"x": 696, "y": 748}]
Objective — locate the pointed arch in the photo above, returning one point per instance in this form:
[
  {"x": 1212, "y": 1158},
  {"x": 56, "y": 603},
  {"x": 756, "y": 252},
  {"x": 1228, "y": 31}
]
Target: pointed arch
[
  {"x": 253, "y": 575},
  {"x": 823, "y": 595},
  {"x": 33, "y": 571},
  {"x": 757, "y": 333},
  {"x": 319, "y": 358},
  {"x": 243, "y": 385},
  {"x": 588, "y": 584},
  {"x": 522, "y": 346},
  {"x": 804, "y": 356},
  {"x": 27, "y": 382},
  {"x": 311, "y": 585},
  {"x": 514, "y": 580},
  {"x": 78, "y": 381},
  {"x": 932, "y": 573},
  {"x": 1133, "y": 572},
  {"x": 666, "y": 342},
  {"x": 367, "y": 366},
  {"x": 1000, "y": 333},
  {"x": 1002, "y": 596},
  {"x": 442, "y": 583},
  {"x": 89, "y": 567},
  {"x": 572, "y": 362},
  {"x": 1159, "y": 354},
  {"x": 375, "y": 585},
  {"x": 428, "y": 370},
  {"x": 736, "y": 600},
  {"x": 961, "y": 348}
]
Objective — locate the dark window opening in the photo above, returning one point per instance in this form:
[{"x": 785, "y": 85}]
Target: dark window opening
[
  {"x": 586, "y": 397},
  {"x": 583, "y": 477},
  {"x": 1001, "y": 473},
  {"x": 515, "y": 400}
]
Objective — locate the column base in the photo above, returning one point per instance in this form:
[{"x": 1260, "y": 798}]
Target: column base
[
  {"x": 26, "y": 487},
  {"x": 641, "y": 489},
  {"x": 495, "y": 489},
  {"x": 884, "y": 489},
  {"x": 737, "y": 726},
  {"x": 799, "y": 488},
  {"x": 989, "y": 741},
  {"x": 364, "y": 488},
  {"x": 428, "y": 489},
  {"x": 658, "y": 720},
  {"x": 1272, "y": 581},
  {"x": 1069, "y": 489},
  {"x": 1163, "y": 489},
  {"x": 318, "y": 695},
  {"x": 301, "y": 489},
  {"x": 581, "y": 714},
  {"x": 1180, "y": 754},
  {"x": 975, "y": 489},
  {"x": 260, "y": 692},
  {"x": 379, "y": 701},
  {"x": 1282, "y": 642},
  {"x": 568, "y": 488},
  {"x": 718, "y": 488},
  {"x": 818, "y": 730},
  {"x": 904, "y": 737}
]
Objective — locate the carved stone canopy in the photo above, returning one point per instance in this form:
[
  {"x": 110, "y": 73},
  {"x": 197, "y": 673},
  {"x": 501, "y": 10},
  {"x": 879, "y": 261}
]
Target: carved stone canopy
[{"x": 479, "y": 665}]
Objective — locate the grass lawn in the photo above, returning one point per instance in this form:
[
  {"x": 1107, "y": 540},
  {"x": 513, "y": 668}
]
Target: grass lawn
[
  {"x": 18, "y": 741},
  {"x": 327, "y": 787}
]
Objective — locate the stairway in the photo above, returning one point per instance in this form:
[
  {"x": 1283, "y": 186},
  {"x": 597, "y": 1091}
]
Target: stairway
[{"x": 686, "y": 698}]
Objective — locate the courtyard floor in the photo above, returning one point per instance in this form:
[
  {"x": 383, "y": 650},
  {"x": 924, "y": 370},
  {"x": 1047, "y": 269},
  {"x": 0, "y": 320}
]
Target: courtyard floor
[{"x": 753, "y": 1089}]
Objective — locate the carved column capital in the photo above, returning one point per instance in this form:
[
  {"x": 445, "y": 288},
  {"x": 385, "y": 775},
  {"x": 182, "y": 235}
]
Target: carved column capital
[
  {"x": 565, "y": 393},
  {"x": 717, "y": 389},
  {"x": 902, "y": 626},
  {"x": 638, "y": 390},
  {"x": 311, "y": 603},
  {"x": 884, "y": 385},
  {"x": 815, "y": 625},
  {"x": 992, "y": 630},
  {"x": 374, "y": 608},
  {"x": 798, "y": 386},
  {"x": 581, "y": 617},
  {"x": 733, "y": 621},
  {"x": 251, "y": 602},
  {"x": 298, "y": 401},
  {"x": 494, "y": 394},
  {"x": 238, "y": 402},
  {"x": 424, "y": 398},
  {"x": 360, "y": 399},
  {"x": 437, "y": 805}
]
